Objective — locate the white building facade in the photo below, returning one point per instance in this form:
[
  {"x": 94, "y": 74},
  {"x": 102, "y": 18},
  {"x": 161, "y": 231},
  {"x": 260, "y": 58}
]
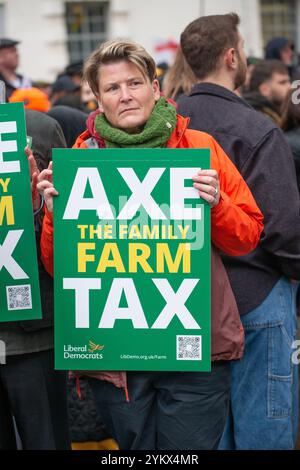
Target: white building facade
[{"x": 54, "y": 33}]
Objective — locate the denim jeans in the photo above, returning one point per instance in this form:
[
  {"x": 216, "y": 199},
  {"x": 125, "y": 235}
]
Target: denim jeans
[{"x": 264, "y": 387}]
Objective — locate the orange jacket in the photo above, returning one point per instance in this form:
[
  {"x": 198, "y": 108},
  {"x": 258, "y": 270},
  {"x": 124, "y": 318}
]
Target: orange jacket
[{"x": 236, "y": 222}]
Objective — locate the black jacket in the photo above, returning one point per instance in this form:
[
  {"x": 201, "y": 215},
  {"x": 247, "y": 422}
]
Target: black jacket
[
  {"x": 46, "y": 134},
  {"x": 262, "y": 104},
  {"x": 293, "y": 139},
  {"x": 258, "y": 149},
  {"x": 71, "y": 120},
  {"x": 9, "y": 88}
]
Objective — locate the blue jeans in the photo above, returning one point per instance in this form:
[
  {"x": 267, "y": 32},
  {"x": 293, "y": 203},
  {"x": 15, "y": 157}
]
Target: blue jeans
[{"x": 264, "y": 387}]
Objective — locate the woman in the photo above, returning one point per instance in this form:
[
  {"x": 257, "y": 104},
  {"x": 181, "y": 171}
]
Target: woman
[
  {"x": 179, "y": 79},
  {"x": 166, "y": 410}
]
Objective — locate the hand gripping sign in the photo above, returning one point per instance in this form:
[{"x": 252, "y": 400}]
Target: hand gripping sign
[
  {"x": 19, "y": 285},
  {"x": 132, "y": 260}
]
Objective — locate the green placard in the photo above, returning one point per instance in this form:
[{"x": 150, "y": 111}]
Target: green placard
[
  {"x": 19, "y": 283},
  {"x": 132, "y": 260}
]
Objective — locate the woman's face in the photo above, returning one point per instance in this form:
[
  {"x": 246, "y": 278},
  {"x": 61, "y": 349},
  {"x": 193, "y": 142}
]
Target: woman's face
[{"x": 126, "y": 96}]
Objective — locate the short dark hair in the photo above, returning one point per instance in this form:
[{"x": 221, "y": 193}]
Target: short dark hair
[
  {"x": 263, "y": 71},
  {"x": 206, "y": 39}
]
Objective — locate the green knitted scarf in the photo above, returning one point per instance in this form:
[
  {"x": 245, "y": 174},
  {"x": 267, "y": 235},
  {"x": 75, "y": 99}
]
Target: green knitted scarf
[{"x": 155, "y": 133}]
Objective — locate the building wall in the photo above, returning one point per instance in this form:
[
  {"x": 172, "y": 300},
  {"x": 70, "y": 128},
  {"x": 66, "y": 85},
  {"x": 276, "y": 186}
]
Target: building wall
[
  {"x": 152, "y": 20},
  {"x": 40, "y": 25}
]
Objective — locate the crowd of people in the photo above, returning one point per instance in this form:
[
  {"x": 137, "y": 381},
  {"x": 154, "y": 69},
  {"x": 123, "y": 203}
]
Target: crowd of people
[{"x": 245, "y": 112}]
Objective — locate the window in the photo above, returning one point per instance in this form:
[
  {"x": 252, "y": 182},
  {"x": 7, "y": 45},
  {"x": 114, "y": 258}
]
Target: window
[
  {"x": 2, "y": 20},
  {"x": 279, "y": 19},
  {"x": 86, "y": 27}
]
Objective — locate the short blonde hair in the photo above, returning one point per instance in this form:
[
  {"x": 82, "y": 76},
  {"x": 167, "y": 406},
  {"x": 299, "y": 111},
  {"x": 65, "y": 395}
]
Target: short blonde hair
[{"x": 114, "y": 51}]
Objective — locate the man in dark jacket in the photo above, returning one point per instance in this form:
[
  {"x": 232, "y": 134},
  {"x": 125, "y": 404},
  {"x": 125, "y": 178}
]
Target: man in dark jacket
[{"x": 264, "y": 382}]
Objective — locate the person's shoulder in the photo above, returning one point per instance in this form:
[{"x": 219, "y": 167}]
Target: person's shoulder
[
  {"x": 293, "y": 135},
  {"x": 38, "y": 118},
  {"x": 293, "y": 139},
  {"x": 199, "y": 139},
  {"x": 43, "y": 127},
  {"x": 230, "y": 117},
  {"x": 83, "y": 141},
  {"x": 182, "y": 99},
  {"x": 255, "y": 125}
]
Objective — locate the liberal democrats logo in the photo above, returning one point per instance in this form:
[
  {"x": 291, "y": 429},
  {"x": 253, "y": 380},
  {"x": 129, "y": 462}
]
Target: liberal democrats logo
[{"x": 95, "y": 347}]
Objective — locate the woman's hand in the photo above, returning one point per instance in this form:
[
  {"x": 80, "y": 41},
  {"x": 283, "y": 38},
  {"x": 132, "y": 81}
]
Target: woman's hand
[
  {"x": 34, "y": 172},
  {"x": 45, "y": 187},
  {"x": 207, "y": 184}
]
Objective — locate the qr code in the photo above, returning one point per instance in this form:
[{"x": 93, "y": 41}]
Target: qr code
[
  {"x": 19, "y": 297},
  {"x": 188, "y": 348}
]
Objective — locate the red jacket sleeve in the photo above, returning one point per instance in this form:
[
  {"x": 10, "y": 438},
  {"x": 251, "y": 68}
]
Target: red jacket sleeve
[
  {"x": 47, "y": 229},
  {"x": 236, "y": 222},
  {"x": 47, "y": 242}
]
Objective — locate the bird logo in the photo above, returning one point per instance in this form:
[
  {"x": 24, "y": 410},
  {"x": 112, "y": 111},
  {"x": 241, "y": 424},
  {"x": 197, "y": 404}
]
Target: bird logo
[{"x": 95, "y": 347}]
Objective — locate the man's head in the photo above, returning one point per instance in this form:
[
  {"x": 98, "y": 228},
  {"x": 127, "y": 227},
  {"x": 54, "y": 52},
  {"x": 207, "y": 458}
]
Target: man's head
[
  {"x": 63, "y": 86},
  {"x": 280, "y": 49},
  {"x": 74, "y": 71},
  {"x": 271, "y": 79},
  {"x": 122, "y": 76},
  {"x": 9, "y": 57},
  {"x": 213, "y": 47}
]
